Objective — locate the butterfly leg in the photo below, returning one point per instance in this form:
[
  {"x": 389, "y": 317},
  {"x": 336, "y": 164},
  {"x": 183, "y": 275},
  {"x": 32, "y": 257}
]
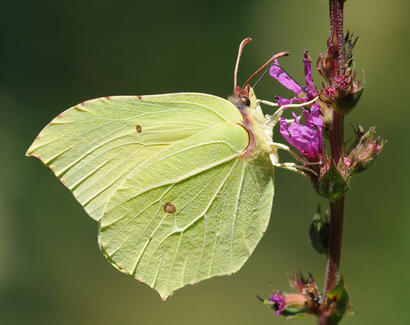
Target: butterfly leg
[
  {"x": 277, "y": 145},
  {"x": 273, "y": 119},
  {"x": 274, "y": 157},
  {"x": 266, "y": 102},
  {"x": 292, "y": 120},
  {"x": 291, "y": 167},
  {"x": 298, "y": 157}
]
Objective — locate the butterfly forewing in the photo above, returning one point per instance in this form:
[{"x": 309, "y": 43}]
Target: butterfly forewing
[{"x": 94, "y": 146}]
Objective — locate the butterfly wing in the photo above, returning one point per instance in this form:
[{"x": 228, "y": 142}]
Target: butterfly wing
[
  {"x": 95, "y": 145},
  {"x": 164, "y": 175}
]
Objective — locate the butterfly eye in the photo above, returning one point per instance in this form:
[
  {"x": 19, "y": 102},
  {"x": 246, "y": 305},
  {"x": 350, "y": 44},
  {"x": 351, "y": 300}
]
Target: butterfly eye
[{"x": 245, "y": 100}]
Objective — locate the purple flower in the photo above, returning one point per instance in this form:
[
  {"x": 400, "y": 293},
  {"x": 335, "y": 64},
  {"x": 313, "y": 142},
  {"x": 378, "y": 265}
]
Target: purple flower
[
  {"x": 278, "y": 302},
  {"x": 282, "y": 301},
  {"x": 307, "y": 138}
]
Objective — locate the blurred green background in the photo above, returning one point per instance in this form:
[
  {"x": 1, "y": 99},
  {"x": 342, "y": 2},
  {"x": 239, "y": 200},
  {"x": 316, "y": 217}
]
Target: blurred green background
[{"x": 55, "y": 54}]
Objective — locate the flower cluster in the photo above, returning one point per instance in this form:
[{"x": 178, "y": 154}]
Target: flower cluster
[
  {"x": 307, "y": 138},
  {"x": 344, "y": 91},
  {"x": 308, "y": 131}
]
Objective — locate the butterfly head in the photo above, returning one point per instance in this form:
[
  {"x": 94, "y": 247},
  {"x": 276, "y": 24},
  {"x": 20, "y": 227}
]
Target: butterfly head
[{"x": 244, "y": 97}]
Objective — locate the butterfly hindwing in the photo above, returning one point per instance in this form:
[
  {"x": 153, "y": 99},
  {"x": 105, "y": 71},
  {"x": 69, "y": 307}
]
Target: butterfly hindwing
[{"x": 191, "y": 229}]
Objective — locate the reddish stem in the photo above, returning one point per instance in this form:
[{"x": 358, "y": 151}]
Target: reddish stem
[
  {"x": 336, "y": 54},
  {"x": 336, "y": 43}
]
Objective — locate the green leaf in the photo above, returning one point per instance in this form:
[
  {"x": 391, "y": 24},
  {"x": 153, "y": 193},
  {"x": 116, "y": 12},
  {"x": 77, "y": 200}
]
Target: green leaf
[
  {"x": 332, "y": 185},
  {"x": 339, "y": 296},
  {"x": 165, "y": 177},
  {"x": 292, "y": 312},
  {"x": 319, "y": 232}
]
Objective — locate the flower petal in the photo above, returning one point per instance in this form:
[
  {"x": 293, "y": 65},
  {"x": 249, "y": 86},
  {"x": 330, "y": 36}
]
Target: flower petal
[
  {"x": 313, "y": 118},
  {"x": 307, "y": 137},
  {"x": 278, "y": 302},
  {"x": 302, "y": 137},
  {"x": 280, "y": 75},
  {"x": 284, "y": 130},
  {"x": 314, "y": 121}
]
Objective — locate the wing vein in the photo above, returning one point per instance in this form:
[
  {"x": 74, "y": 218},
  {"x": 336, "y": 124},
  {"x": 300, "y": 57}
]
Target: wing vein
[
  {"x": 236, "y": 209},
  {"x": 173, "y": 261}
]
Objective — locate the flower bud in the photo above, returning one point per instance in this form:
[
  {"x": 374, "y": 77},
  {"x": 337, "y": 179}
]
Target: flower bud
[
  {"x": 288, "y": 304},
  {"x": 319, "y": 231},
  {"x": 348, "y": 92},
  {"x": 345, "y": 90},
  {"x": 307, "y": 287},
  {"x": 364, "y": 150},
  {"x": 307, "y": 301},
  {"x": 323, "y": 66}
]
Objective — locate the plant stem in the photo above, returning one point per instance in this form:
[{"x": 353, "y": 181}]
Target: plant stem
[
  {"x": 336, "y": 43},
  {"x": 336, "y": 54}
]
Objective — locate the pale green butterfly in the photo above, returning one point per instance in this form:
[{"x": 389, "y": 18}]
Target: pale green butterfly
[{"x": 181, "y": 184}]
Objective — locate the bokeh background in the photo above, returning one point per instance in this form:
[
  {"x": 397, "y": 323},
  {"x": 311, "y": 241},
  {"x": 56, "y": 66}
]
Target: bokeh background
[{"x": 54, "y": 54}]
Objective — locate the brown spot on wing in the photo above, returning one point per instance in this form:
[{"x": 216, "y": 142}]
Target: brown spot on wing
[
  {"x": 138, "y": 128},
  {"x": 169, "y": 208}
]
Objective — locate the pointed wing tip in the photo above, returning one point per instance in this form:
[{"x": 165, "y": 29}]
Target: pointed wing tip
[
  {"x": 30, "y": 150},
  {"x": 164, "y": 294},
  {"x": 29, "y": 153}
]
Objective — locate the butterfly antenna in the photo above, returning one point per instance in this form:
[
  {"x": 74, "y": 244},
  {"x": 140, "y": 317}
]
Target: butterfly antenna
[
  {"x": 273, "y": 58},
  {"x": 241, "y": 46}
]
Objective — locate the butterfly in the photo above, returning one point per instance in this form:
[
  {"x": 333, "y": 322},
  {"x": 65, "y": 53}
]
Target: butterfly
[{"x": 181, "y": 184}]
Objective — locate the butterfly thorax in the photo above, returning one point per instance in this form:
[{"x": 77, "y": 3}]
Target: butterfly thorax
[{"x": 254, "y": 121}]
